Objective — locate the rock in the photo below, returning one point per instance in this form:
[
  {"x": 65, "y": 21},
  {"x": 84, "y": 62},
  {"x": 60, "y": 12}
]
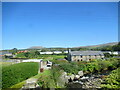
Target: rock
[
  {"x": 66, "y": 79},
  {"x": 80, "y": 73},
  {"x": 80, "y": 82},
  {"x": 70, "y": 80},
  {"x": 72, "y": 76},
  {"x": 76, "y": 81},
  {"x": 77, "y": 76},
  {"x": 64, "y": 74},
  {"x": 84, "y": 77}
]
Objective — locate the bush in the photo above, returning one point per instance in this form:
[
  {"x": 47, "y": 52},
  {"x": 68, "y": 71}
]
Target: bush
[
  {"x": 18, "y": 72},
  {"x": 113, "y": 80},
  {"x": 51, "y": 79},
  {"x": 70, "y": 68}
]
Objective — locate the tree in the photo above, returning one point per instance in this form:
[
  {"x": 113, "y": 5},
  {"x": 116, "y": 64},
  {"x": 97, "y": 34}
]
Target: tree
[
  {"x": 37, "y": 53},
  {"x": 26, "y": 54},
  {"x": 14, "y": 50},
  {"x": 108, "y": 55},
  {"x": 116, "y": 47}
]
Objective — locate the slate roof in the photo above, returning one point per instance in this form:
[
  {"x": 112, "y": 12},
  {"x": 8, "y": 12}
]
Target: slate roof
[{"x": 86, "y": 53}]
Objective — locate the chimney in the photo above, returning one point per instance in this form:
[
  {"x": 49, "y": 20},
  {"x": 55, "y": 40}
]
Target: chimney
[{"x": 69, "y": 50}]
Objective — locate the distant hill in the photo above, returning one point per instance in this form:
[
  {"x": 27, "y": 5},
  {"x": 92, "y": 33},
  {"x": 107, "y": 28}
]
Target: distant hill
[
  {"x": 87, "y": 47},
  {"x": 97, "y": 46},
  {"x": 36, "y": 47}
]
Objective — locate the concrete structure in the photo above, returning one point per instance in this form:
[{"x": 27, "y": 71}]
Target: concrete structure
[
  {"x": 32, "y": 60},
  {"x": 65, "y": 51},
  {"x": 57, "y": 52},
  {"x": 45, "y": 65},
  {"x": 112, "y": 52},
  {"x": 84, "y": 55},
  {"x": 46, "y": 52}
]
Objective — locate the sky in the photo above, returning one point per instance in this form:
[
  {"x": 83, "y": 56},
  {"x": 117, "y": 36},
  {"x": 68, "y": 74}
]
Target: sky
[{"x": 58, "y": 24}]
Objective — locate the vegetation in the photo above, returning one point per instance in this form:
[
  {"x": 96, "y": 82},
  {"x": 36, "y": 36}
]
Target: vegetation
[
  {"x": 36, "y": 54},
  {"x": 93, "y": 66},
  {"x": 100, "y": 48},
  {"x": 113, "y": 80},
  {"x": 18, "y": 85},
  {"x": 16, "y": 73},
  {"x": 14, "y": 51},
  {"x": 51, "y": 79},
  {"x": 110, "y": 48},
  {"x": 108, "y": 55}
]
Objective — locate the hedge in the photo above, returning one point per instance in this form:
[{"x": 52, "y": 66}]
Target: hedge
[{"x": 18, "y": 72}]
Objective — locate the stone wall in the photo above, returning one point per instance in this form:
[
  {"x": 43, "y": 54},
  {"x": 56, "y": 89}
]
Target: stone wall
[{"x": 85, "y": 58}]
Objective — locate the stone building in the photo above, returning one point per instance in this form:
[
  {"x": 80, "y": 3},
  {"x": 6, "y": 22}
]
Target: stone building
[{"x": 84, "y": 55}]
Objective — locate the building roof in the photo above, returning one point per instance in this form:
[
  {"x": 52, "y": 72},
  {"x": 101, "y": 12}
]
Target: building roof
[
  {"x": 4, "y": 52},
  {"x": 86, "y": 53}
]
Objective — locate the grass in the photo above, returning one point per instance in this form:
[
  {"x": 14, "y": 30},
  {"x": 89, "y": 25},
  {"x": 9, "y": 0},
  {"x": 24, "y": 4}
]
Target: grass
[
  {"x": 46, "y": 72},
  {"x": 19, "y": 85}
]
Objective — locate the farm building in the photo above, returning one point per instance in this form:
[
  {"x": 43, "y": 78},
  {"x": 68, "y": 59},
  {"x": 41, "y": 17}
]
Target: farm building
[
  {"x": 84, "y": 55},
  {"x": 57, "y": 52},
  {"x": 46, "y": 52}
]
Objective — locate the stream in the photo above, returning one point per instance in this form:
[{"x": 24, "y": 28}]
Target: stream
[{"x": 92, "y": 80}]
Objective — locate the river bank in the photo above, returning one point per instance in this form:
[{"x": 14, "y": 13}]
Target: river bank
[{"x": 91, "y": 80}]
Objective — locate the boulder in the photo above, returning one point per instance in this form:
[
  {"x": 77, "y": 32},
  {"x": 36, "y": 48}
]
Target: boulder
[
  {"x": 77, "y": 76},
  {"x": 72, "y": 76},
  {"x": 84, "y": 78},
  {"x": 80, "y": 73},
  {"x": 64, "y": 74},
  {"x": 67, "y": 77}
]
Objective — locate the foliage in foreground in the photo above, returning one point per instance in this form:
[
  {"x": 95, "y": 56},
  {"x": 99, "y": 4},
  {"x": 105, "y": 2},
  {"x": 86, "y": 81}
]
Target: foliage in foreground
[
  {"x": 113, "y": 80},
  {"x": 18, "y": 72},
  {"x": 94, "y": 66},
  {"x": 51, "y": 79}
]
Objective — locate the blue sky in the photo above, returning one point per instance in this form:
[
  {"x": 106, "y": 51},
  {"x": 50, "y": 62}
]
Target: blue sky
[{"x": 61, "y": 24}]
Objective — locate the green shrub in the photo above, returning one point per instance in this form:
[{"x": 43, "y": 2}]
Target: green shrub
[
  {"x": 69, "y": 68},
  {"x": 90, "y": 67},
  {"x": 113, "y": 80},
  {"x": 51, "y": 79},
  {"x": 94, "y": 66},
  {"x": 18, "y": 72}
]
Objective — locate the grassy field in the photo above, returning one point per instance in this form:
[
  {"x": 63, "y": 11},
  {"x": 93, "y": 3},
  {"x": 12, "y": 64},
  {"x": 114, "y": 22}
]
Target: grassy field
[
  {"x": 13, "y": 74},
  {"x": 19, "y": 85}
]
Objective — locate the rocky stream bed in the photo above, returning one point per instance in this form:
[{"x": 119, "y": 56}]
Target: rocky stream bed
[{"x": 86, "y": 81}]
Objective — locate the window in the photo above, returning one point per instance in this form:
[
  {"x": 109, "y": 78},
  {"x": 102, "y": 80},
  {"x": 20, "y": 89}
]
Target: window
[
  {"x": 81, "y": 56},
  {"x": 78, "y": 60}
]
